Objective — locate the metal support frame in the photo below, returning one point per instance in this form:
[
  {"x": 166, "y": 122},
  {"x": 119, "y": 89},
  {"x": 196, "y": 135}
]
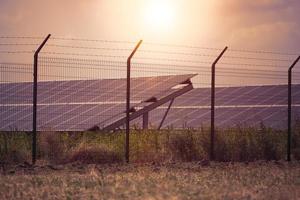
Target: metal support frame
[
  {"x": 34, "y": 113},
  {"x": 128, "y": 101},
  {"x": 212, "y": 125},
  {"x": 148, "y": 108},
  {"x": 166, "y": 113},
  {"x": 289, "y": 138},
  {"x": 145, "y": 121}
]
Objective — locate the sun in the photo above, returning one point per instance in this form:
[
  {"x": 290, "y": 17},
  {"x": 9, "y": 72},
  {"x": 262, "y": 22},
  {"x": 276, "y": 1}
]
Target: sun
[{"x": 159, "y": 14}]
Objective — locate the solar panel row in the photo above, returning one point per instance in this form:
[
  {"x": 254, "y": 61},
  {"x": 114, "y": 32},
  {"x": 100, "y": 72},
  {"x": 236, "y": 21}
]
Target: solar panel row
[
  {"x": 247, "y": 95},
  {"x": 225, "y": 117},
  {"x": 76, "y": 105},
  {"x": 80, "y": 104}
]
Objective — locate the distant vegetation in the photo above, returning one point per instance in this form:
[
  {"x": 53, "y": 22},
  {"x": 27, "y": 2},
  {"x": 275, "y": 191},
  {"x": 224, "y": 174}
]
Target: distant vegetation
[{"x": 232, "y": 144}]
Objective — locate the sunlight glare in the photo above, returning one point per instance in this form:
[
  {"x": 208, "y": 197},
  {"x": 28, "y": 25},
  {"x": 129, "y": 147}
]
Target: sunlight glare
[{"x": 160, "y": 14}]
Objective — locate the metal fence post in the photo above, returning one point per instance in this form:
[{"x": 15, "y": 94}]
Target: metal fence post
[
  {"x": 128, "y": 101},
  {"x": 34, "y": 113},
  {"x": 290, "y": 109},
  {"x": 212, "y": 121}
]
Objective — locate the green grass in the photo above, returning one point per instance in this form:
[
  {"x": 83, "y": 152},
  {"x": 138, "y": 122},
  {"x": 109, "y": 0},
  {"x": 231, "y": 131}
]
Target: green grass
[{"x": 231, "y": 144}]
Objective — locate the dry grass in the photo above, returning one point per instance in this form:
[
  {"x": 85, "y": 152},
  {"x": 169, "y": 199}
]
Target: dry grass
[
  {"x": 51, "y": 147},
  {"x": 259, "y": 180},
  {"x": 98, "y": 154}
]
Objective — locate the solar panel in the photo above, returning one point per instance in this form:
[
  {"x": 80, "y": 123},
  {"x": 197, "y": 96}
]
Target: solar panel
[
  {"x": 247, "y": 106},
  {"x": 247, "y": 95},
  {"x": 76, "y": 104}
]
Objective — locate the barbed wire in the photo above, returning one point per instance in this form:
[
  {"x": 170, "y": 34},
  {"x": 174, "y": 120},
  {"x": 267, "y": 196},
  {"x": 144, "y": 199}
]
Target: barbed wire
[
  {"x": 177, "y": 53},
  {"x": 257, "y": 58},
  {"x": 16, "y": 52},
  {"x": 91, "y": 48},
  {"x": 153, "y": 51},
  {"x": 252, "y": 65},
  {"x": 92, "y": 40},
  {"x": 18, "y": 44},
  {"x": 20, "y": 37},
  {"x": 220, "y": 49},
  {"x": 264, "y": 52},
  {"x": 182, "y": 46},
  {"x": 151, "y": 44},
  {"x": 80, "y": 54}
]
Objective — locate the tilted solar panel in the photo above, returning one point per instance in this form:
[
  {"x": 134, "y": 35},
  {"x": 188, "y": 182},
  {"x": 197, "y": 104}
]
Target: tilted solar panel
[{"x": 76, "y": 105}]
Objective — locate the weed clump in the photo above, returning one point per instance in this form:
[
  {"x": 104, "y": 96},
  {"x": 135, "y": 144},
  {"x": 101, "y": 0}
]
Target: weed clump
[
  {"x": 183, "y": 147},
  {"x": 99, "y": 154},
  {"x": 51, "y": 147},
  {"x": 15, "y": 147}
]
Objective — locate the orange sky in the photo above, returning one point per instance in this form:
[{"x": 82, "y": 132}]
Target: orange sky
[{"x": 256, "y": 24}]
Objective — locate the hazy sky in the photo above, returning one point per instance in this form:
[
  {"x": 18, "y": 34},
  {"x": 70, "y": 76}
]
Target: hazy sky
[{"x": 255, "y": 24}]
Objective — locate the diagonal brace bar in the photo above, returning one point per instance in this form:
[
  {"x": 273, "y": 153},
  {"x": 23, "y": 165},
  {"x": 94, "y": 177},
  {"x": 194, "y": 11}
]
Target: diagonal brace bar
[
  {"x": 148, "y": 108},
  {"x": 165, "y": 116}
]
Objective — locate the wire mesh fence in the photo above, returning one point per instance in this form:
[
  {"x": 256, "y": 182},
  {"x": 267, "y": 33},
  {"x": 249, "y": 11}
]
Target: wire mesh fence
[{"x": 81, "y": 100}]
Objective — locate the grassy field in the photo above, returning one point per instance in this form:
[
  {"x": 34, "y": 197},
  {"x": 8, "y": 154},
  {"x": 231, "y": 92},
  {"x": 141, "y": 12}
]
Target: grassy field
[
  {"x": 193, "y": 180},
  {"x": 168, "y": 164},
  {"x": 231, "y": 144}
]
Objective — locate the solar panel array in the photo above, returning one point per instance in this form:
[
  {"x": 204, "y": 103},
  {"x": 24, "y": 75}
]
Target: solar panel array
[
  {"x": 78, "y": 104},
  {"x": 94, "y": 102},
  {"x": 246, "y": 106}
]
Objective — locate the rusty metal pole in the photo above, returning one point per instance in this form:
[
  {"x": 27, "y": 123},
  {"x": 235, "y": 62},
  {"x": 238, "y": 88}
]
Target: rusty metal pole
[
  {"x": 128, "y": 101},
  {"x": 289, "y": 138},
  {"x": 212, "y": 120},
  {"x": 35, "y": 83}
]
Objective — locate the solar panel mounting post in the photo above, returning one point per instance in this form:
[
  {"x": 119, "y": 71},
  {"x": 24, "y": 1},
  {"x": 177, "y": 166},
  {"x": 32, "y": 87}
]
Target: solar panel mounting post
[
  {"x": 34, "y": 113},
  {"x": 165, "y": 115},
  {"x": 145, "y": 120},
  {"x": 212, "y": 121},
  {"x": 128, "y": 101},
  {"x": 290, "y": 109}
]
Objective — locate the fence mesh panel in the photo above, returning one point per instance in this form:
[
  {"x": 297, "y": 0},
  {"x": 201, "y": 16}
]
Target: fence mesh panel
[{"x": 81, "y": 101}]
